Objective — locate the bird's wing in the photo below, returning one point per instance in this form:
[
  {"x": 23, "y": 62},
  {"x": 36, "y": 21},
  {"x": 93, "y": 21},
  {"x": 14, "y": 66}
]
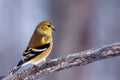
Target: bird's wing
[{"x": 31, "y": 53}]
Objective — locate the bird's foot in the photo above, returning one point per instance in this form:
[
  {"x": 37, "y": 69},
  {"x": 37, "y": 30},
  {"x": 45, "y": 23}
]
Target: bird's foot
[{"x": 36, "y": 67}]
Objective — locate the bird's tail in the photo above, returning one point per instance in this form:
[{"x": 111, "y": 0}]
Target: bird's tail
[{"x": 15, "y": 69}]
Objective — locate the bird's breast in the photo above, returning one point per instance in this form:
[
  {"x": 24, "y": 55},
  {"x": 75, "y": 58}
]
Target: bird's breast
[
  {"x": 45, "y": 40},
  {"x": 42, "y": 56}
]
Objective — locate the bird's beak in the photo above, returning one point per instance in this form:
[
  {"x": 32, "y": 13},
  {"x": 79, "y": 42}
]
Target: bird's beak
[{"x": 53, "y": 29}]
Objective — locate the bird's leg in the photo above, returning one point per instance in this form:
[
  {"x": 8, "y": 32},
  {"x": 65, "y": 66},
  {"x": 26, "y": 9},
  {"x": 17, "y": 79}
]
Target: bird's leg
[{"x": 36, "y": 67}]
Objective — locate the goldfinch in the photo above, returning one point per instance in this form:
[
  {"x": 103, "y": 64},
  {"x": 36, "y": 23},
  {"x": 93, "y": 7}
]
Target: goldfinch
[{"x": 39, "y": 47}]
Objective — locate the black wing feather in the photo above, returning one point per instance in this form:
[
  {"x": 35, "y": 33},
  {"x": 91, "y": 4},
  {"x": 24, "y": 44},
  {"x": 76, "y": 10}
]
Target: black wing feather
[{"x": 33, "y": 52}]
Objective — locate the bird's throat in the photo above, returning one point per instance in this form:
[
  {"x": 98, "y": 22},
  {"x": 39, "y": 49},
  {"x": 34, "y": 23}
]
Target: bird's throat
[{"x": 48, "y": 32}]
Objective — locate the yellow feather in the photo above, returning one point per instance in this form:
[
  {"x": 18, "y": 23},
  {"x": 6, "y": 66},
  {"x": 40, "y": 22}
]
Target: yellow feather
[
  {"x": 45, "y": 40},
  {"x": 42, "y": 35}
]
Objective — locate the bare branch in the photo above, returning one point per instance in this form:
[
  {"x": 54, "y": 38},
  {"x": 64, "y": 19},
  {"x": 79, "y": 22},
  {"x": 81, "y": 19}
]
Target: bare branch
[{"x": 76, "y": 59}]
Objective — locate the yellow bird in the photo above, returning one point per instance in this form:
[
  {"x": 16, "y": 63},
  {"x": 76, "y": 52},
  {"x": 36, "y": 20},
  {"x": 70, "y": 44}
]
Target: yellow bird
[{"x": 39, "y": 47}]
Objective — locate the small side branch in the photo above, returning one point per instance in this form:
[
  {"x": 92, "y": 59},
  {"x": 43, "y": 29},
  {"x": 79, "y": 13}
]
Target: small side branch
[{"x": 76, "y": 59}]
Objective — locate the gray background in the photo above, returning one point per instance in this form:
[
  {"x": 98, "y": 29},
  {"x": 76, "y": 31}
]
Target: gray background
[{"x": 80, "y": 25}]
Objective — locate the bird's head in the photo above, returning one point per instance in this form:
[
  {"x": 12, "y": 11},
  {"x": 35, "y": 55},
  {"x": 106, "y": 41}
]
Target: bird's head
[{"x": 46, "y": 27}]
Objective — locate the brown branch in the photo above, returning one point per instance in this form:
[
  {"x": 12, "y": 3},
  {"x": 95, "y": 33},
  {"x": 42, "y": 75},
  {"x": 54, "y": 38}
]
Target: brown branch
[{"x": 76, "y": 59}]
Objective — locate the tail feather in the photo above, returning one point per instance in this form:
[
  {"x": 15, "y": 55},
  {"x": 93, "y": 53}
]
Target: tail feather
[{"x": 15, "y": 69}]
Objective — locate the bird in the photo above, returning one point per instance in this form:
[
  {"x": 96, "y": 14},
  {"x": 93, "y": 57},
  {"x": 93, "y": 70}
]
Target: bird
[{"x": 39, "y": 46}]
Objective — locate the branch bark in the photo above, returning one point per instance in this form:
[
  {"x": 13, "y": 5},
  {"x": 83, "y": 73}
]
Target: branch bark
[{"x": 72, "y": 60}]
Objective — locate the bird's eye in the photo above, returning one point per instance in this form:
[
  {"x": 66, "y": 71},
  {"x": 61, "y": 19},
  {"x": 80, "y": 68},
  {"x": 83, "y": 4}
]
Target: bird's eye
[{"x": 49, "y": 25}]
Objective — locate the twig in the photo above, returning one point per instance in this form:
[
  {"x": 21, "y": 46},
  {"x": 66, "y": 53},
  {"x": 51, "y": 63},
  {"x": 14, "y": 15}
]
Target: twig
[{"x": 76, "y": 59}]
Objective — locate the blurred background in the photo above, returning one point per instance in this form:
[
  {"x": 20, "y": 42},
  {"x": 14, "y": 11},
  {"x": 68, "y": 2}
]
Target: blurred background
[{"x": 80, "y": 25}]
